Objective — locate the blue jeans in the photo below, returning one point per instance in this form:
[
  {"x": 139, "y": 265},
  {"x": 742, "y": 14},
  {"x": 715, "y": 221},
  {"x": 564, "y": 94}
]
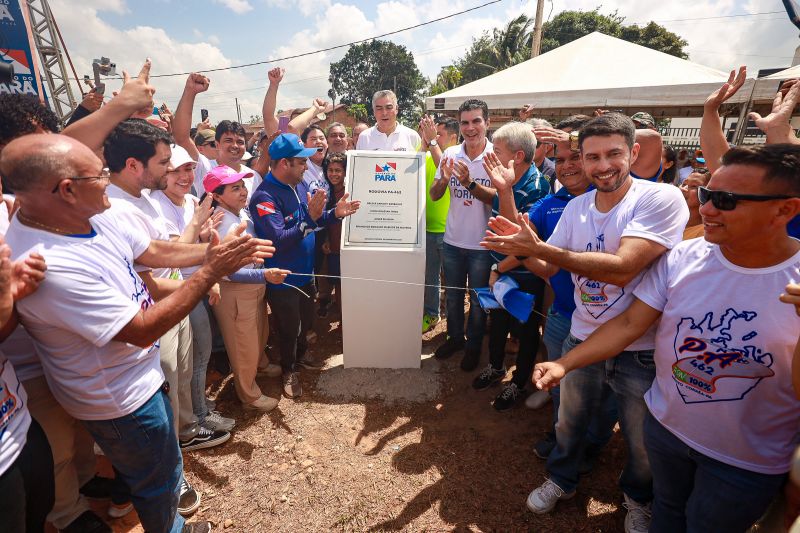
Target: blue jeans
[
  {"x": 433, "y": 268},
  {"x": 201, "y": 353},
  {"x": 695, "y": 493},
  {"x": 583, "y": 393},
  {"x": 144, "y": 450},
  {"x": 461, "y": 265},
  {"x": 601, "y": 427}
]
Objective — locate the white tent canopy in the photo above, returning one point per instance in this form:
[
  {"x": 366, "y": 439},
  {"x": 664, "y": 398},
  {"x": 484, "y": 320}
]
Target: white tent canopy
[
  {"x": 599, "y": 71},
  {"x": 791, "y": 72}
]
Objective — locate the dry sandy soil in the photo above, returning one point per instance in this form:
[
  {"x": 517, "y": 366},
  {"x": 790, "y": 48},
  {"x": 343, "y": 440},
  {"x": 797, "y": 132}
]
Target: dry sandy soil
[{"x": 387, "y": 450}]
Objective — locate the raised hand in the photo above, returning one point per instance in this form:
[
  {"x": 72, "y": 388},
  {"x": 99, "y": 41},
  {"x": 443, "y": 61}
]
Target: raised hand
[
  {"x": 550, "y": 135},
  {"x": 547, "y": 375},
  {"x": 781, "y": 114},
  {"x": 276, "y": 276},
  {"x": 728, "y": 89},
  {"x": 524, "y": 242},
  {"x": 136, "y": 94},
  {"x": 345, "y": 208},
  {"x": 205, "y": 125},
  {"x": 210, "y": 225},
  {"x": 275, "y": 75},
  {"x": 792, "y": 296},
  {"x": 502, "y": 176},
  {"x": 502, "y": 226},
  {"x": 600, "y": 112},
  {"x": 461, "y": 172},
  {"x": 316, "y": 203},
  {"x": 92, "y": 101},
  {"x": 427, "y": 128},
  {"x": 236, "y": 250},
  {"x": 203, "y": 210},
  {"x": 319, "y": 104},
  {"x": 197, "y": 83},
  {"x": 526, "y": 112}
]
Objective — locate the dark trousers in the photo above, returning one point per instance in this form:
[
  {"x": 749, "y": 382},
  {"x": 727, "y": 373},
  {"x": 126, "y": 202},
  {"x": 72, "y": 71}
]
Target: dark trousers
[
  {"x": 528, "y": 334},
  {"x": 28, "y": 487},
  {"x": 294, "y": 316}
]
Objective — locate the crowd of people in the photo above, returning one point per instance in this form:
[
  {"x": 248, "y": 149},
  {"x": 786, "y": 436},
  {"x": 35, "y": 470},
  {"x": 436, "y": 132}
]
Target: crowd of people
[{"x": 136, "y": 244}]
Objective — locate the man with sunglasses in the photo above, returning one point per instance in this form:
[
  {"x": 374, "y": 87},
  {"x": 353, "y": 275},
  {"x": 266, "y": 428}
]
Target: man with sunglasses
[
  {"x": 722, "y": 422},
  {"x": 607, "y": 239}
]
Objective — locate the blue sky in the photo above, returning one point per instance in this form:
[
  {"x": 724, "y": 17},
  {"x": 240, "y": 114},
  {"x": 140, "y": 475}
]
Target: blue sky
[{"x": 197, "y": 34}]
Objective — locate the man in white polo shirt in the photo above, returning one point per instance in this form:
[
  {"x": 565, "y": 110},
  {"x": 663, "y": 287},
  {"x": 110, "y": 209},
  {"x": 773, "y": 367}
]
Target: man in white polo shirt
[
  {"x": 387, "y": 133},
  {"x": 93, "y": 320},
  {"x": 463, "y": 258}
]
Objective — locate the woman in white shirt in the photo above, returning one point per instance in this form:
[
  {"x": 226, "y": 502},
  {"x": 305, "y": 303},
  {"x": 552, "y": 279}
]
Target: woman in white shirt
[{"x": 242, "y": 311}]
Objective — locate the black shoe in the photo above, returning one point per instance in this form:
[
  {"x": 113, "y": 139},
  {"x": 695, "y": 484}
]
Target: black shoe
[
  {"x": 97, "y": 488},
  {"x": 543, "y": 448},
  {"x": 88, "y": 522},
  {"x": 471, "y": 359},
  {"x": 197, "y": 527},
  {"x": 511, "y": 394},
  {"x": 189, "y": 500},
  {"x": 449, "y": 347},
  {"x": 488, "y": 377},
  {"x": 205, "y": 438}
]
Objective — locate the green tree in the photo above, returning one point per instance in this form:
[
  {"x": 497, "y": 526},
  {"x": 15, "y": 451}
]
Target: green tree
[
  {"x": 507, "y": 46},
  {"x": 358, "y": 111},
  {"x": 449, "y": 78},
  {"x": 376, "y": 65}
]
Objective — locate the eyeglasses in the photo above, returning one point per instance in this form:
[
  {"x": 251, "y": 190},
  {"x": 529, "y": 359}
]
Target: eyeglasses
[
  {"x": 726, "y": 201},
  {"x": 212, "y": 144},
  {"x": 105, "y": 174}
]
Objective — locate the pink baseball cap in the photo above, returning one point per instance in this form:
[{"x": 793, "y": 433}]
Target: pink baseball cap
[{"x": 223, "y": 175}]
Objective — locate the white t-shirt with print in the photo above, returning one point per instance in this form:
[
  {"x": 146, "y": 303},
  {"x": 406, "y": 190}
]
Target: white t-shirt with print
[
  {"x": 205, "y": 165},
  {"x": 402, "y": 139},
  {"x": 467, "y": 216},
  {"x": 176, "y": 219},
  {"x": 230, "y": 221},
  {"x": 653, "y": 211},
  {"x": 143, "y": 214},
  {"x": 724, "y": 355},
  {"x": 90, "y": 293},
  {"x": 15, "y": 419}
]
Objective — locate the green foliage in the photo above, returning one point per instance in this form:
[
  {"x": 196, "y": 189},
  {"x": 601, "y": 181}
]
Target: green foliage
[
  {"x": 358, "y": 111},
  {"x": 377, "y": 65},
  {"x": 449, "y": 78},
  {"x": 507, "y": 46}
]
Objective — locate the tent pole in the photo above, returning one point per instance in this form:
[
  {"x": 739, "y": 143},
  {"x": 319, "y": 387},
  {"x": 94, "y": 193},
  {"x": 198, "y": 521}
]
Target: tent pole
[{"x": 741, "y": 124}]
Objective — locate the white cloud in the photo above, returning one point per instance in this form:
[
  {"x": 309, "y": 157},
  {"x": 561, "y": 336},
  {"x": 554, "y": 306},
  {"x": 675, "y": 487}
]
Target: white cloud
[
  {"x": 306, "y": 7},
  {"x": 237, "y": 6}
]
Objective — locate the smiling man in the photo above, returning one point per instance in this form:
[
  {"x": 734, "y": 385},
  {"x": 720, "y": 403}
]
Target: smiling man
[
  {"x": 607, "y": 239},
  {"x": 387, "y": 133},
  {"x": 722, "y": 422}
]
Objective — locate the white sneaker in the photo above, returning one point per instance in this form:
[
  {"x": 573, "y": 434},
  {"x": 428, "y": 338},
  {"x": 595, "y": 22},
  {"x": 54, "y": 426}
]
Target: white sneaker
[
  {"x": 215, "y": 421},
  {"x": 543, "y": 499},
  {"x": 537, "y": 400},
  {"x": 638, "y": 518},
  {"x": 265, "y": 403},
  {"x": 119, "y": 510},
  {"x": 271, "y": 371}
]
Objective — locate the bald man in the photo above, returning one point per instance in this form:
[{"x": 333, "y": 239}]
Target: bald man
[{"x": 93, "y": 320}]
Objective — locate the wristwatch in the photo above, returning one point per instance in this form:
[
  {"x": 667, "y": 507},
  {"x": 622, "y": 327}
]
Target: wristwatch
[
  {"x": 433, "y": 143},
  {"x": 573, "y": 141},
  {"x": 472, "y": 185},
  {"x": 495, "y": 268}
]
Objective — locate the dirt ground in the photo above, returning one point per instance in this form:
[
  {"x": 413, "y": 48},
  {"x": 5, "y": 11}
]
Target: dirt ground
[{"x": 385, "y": 450}]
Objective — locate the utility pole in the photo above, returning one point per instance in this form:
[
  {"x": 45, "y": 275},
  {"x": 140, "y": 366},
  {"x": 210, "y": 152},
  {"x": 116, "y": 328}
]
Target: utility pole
[
  {"x": 238, "y": 111},
  {"x": 536, "y": 43}
]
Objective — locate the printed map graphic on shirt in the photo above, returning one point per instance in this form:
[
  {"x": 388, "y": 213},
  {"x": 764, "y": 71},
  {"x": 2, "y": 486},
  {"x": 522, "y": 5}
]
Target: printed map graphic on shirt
[
  {"x": 594, "y": 295},
  {"x": 9, "y": 406},
  {"x": 719, "y": 361}
]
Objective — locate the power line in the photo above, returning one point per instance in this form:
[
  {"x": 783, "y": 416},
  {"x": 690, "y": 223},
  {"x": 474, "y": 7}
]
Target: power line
[
  {"x": 717, "y": 17},
  {"x": 304, "y": 54}
]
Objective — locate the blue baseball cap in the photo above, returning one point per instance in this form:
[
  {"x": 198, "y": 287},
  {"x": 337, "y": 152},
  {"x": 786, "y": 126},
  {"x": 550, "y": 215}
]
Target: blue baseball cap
[{"x": 289, "y": 145}]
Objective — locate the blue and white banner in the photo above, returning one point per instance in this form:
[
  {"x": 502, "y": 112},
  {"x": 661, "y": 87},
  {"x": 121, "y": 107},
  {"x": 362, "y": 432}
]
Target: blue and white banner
[{"x": 16, "y": 46}]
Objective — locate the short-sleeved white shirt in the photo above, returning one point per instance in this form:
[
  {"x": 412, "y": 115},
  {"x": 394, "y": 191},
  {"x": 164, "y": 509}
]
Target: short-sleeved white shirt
[
  {"x": 402, "y": 139},
  {"x": 15, "y": 419},
  {"x": 90, "y": 293},
  {"x": 724, "y": 355},
  {"x": 653, "y": 211},
  {"x": 467, "y": 216},
  {"x": 176, "y": 219}
]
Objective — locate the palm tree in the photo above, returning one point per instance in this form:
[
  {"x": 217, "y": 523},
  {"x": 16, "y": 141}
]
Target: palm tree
[{"x": 510, "y": 45}]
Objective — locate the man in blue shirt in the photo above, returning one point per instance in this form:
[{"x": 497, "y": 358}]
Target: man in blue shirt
[
  {"x": 519, "y": 185},
  {"x": 282, "y": 216}
]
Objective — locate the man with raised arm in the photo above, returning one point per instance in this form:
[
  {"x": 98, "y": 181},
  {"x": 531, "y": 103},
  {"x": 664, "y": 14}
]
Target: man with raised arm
[
  {"x": 388, "y": 133},
  {"x": 607, "y": 239},
  {"x": 93, "y": 320},
  {"x": 721, "y": 421}
]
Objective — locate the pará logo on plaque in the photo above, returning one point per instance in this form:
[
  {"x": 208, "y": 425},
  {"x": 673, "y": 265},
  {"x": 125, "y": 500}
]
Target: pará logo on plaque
[{"x": 387, "y": 172}]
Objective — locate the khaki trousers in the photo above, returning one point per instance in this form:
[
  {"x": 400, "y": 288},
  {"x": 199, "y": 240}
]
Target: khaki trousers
[
  {"x": 176, "y": 363},
  {"x": 242, "y": 318},
  {"x": 74, "y": 462}
]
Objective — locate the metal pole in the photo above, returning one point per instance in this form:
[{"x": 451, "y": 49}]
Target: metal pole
[
  {"x": 238, "y": 111},
  {"x": 536, "y": 44}
]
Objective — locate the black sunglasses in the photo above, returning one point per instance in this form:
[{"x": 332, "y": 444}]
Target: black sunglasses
[{"x": 726, "y": 201}]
